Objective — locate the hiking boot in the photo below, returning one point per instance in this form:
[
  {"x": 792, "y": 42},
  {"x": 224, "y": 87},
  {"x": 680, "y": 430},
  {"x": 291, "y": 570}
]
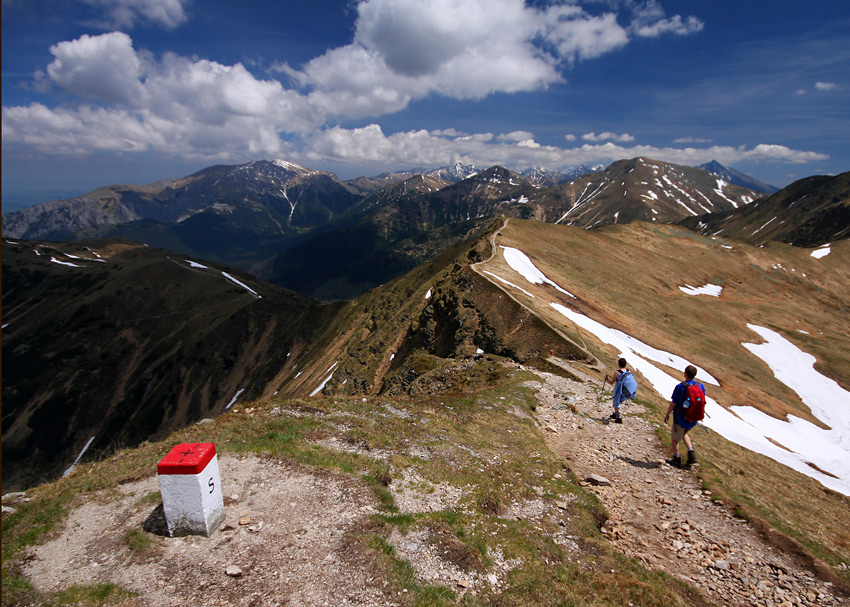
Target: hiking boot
[
  {"x": 614, "y": 415},
  {"x": 692, "y": 458},
  {"x": 618, "y": 419},
  {"x": 675, "y": 461}
]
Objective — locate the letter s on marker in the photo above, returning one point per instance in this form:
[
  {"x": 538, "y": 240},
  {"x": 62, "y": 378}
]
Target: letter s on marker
[{"x": 211, "y": 485}]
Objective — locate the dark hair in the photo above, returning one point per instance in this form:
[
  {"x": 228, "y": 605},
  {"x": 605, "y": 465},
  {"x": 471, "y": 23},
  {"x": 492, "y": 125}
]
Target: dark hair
[
  {"x": 622, "y": 363},
  {"x": 690, "y": 371}
]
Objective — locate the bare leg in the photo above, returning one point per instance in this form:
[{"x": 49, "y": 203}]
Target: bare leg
[{"x": 675, "y": 445}]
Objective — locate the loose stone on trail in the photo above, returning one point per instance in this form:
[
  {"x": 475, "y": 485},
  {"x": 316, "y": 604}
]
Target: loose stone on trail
[
  {"x": 595, "y": 479},
  {"x": 233, "y": 571}
]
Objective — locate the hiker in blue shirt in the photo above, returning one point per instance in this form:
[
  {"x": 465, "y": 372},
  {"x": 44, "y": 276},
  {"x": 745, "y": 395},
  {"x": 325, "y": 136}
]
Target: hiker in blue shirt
[
  {"x": 680, "y": 428},
  {"x": 625, "y": 387}
]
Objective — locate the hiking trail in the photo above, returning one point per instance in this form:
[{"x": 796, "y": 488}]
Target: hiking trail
[{"x": 660, "y": 515}]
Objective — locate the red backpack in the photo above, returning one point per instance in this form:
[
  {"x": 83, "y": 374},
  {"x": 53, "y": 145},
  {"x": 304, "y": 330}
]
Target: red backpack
[{"x": 694, "y": 404}]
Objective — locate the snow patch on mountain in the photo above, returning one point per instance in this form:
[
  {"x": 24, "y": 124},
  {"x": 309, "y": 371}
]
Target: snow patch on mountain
[
  {"x": 805, "y": 447},
  {"x": 821, "y": 252},
  {"x": 241, "y": 284},
  {"x": 520, "y": 263},
  {"x": 709, "y": 289}
]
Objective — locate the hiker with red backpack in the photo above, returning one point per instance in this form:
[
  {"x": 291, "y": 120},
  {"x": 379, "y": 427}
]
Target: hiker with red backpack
[{"x": 688, "y": 408}]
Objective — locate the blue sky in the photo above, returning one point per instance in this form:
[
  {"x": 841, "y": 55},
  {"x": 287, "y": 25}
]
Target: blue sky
[{"x": 98, "y": 92}]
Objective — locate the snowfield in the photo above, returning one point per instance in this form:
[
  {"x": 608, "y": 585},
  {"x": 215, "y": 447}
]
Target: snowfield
[
  {"x": 822, "y": 454},
  {"x": 520, "y": 262},
  {"x": 709, "y": 289},
  {"x": 821, "y": 252}
]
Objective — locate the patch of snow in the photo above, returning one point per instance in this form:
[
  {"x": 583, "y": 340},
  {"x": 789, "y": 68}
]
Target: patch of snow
[
  {"x": 709, "y": 289},
  {"x": 295, "y": 168},
  {"x": 233, "y": 400},
  {"x": 195, "y": 264},
  {"x": 646, "y": 354},
  {"x": 829, "y": 449},
  {"x": 76, "y": 461},
  {"x": 719, "y": 191},
  {"x": 822, "y": 252},
  {"x": 764, "y": 226},
  {"x": 64, "y": 263},
  {"x": 428, "y": 294},
  {"x": 243, "y": 285},
  {"x": 327, "y": 379},
  {"x": 520, "y": 263}
]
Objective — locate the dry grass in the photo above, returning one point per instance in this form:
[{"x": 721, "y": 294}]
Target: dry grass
[{"x": 628, "y": 277}]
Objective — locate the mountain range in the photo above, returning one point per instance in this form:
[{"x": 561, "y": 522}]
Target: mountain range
[
  {"x": 407, "y": 223},
  {"x": 109, "y": 343},
  {"x": 282, "y": 222},
  {"x": 170, "y": 337}
]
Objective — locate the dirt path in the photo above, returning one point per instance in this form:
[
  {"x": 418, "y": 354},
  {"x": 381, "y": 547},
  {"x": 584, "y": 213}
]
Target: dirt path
[{"x": 659, "y": 514}]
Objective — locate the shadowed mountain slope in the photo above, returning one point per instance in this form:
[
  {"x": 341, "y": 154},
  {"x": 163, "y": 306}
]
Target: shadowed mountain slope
[
  {"x": 737, "y": 177},
  {"x": 120, "y": 342},
  {"x": 403, "y": 226},
  {"x": 807, "y": 213}
]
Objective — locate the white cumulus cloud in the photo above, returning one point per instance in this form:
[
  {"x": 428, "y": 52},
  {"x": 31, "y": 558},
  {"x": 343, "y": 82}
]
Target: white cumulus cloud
[
  {"x": 622, "y": 138},
  {"x": 104, "y": 68},
  {"x": 371, "y": 149},
  {"x": 401, "y": 50},
  {"x": 650, "y": 21}
]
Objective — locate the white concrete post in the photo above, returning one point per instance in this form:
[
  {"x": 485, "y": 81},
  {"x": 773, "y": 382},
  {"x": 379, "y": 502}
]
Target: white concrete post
[{"x": 191, "y": 489}]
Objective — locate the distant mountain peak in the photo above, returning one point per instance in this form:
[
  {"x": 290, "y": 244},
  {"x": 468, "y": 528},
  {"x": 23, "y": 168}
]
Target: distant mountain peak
[
  {"x": 454, "y": 173},
  {"x": 737, "y": 177},
  {"x": 295, "y": 168},
  {"x": 551, "y": 177}
]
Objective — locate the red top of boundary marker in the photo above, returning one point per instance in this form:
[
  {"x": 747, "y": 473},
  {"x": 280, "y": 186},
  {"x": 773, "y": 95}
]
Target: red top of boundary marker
[{"x": 187, "y": 458}]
